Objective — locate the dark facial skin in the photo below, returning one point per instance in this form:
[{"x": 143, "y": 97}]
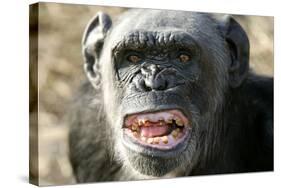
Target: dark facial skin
[{"x": 164, "y": 61}]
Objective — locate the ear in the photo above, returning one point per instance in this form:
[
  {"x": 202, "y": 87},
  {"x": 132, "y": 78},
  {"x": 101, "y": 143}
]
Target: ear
[
  {"x": 239, "y": 47},
  {"x": 92, "y": 44}
]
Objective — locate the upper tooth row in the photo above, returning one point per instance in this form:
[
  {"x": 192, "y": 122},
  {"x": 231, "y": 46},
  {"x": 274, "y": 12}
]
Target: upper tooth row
[{"x": 140, "y": 122}]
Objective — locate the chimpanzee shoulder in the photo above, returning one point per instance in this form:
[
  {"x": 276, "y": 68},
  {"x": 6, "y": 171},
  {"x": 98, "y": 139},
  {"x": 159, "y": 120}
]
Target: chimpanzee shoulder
[{"x": 254, "y": 99}]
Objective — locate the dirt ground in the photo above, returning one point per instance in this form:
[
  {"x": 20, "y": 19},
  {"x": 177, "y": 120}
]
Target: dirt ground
[{"x": 60, "y": 72}]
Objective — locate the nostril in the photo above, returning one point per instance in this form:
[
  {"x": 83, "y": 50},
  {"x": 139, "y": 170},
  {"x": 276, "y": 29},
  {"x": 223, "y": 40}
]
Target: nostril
[
  {"x": 149, "y": 85},
  {"x": 143, "y": 86},
  {"x": 163, "y": 86},
  {"x": 146, "y": 88}
]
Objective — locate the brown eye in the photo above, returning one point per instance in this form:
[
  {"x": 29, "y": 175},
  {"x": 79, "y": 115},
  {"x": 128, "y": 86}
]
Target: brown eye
[
  {"x": 134, "y": 58},
  {"x": 184, "y": 58}
]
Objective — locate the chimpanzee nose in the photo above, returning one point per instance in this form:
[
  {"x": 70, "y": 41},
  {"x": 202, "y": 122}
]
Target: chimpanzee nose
[{"x": 152, "y": 78}]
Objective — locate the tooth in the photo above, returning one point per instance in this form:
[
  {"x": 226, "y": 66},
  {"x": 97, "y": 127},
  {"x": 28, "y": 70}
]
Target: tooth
[
  {"x": 143, "y": 139},
  {"x": 179, "y": 122},
  {"x": 156, "y": 140},
  {"x": 164, "y": 139},
  {"x": 135, "y": 134},
  {"x": 175, "y": 133},
  {"x": 150, "y": 140},
  {"x": 178, "y": 130},
  {"x": 140, "y": 122},
  {"x": 161, "y": 123},
  {"x": 143, "y": 122},
  {"x": 170, "y": 121},
  {"x": 134, "y": 127}
]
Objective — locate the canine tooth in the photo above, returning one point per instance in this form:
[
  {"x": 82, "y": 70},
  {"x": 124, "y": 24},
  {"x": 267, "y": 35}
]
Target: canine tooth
[
  {"x": 134, "y": 127},
  {"x": 179, "y": 122},
  {"x": 150, "y": 140},
  {"x": 156, "y": 140},
  {"x": 165, "y": 139},
  {"x": 137, "y": 127},
  {"x": 175, "y": 133}
]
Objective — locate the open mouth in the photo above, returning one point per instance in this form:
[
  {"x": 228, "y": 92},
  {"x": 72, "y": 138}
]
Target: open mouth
[{"x": 160, "y": 130}]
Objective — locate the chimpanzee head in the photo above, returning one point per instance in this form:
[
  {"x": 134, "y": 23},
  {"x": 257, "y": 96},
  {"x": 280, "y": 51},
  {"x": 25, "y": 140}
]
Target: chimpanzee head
[{"x": 163, "y": 77}]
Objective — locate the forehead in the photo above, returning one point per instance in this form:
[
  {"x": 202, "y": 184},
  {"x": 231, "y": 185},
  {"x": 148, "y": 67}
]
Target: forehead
[
  {"x": 153, "y": 19},
  {"x": 196, "y": 25}
]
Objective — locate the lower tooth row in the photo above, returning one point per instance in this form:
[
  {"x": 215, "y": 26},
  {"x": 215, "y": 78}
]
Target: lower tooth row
[{"x": 156, "y": 140}]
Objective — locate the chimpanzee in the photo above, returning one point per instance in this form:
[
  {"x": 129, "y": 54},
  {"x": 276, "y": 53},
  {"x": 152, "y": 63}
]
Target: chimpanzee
[{"x": 169, "y": 94}]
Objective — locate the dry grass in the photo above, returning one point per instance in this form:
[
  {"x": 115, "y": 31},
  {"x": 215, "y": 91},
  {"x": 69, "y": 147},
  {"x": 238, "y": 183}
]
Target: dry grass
[{"x": 60, "y": 72}]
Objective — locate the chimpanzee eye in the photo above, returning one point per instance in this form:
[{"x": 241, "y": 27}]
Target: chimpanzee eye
[
  {"x": 134, "y": 58},
  {"x": 184, "y": 58}
]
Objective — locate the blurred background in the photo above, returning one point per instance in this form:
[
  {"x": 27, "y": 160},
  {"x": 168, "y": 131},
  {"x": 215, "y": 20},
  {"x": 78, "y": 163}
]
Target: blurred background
[{"x": 60, "y": 71}]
